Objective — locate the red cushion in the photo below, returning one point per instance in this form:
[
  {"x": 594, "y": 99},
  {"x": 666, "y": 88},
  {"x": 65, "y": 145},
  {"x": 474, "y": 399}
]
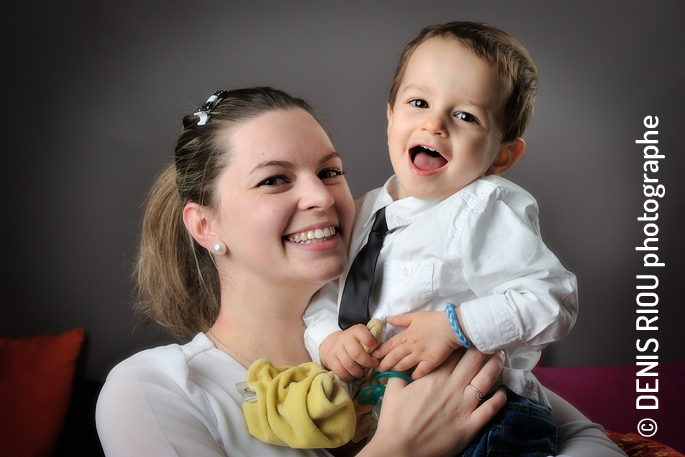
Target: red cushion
[
  {"x": 607, "y": 395},
  {"x": 36, "y": 376},
  {"x": 636, "y": 445}
]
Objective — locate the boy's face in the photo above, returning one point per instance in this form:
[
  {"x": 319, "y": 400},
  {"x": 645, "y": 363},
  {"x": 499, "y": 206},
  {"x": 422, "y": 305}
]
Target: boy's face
[{"x": 445, "y": 127}]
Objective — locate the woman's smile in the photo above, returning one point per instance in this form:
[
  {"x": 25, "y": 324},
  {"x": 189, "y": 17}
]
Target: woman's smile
[{"x": 313, "y": 236}]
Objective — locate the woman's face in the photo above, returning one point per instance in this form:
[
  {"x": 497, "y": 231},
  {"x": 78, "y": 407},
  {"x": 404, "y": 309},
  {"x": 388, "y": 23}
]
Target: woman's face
[{"x": 284, "y": 179}]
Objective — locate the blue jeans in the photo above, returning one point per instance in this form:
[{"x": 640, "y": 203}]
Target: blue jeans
[{"x": 521, "y": 428}]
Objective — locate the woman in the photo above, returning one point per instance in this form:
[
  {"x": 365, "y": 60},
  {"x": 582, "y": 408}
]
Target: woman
[
  {"x": 222, "y": 259},
  {"x": 222, "y": 253}
]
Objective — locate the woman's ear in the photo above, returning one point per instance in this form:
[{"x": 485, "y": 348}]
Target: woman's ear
[
  {"x": 197, "y": 222},
  {"x": 389, "y": 114},
  {"x": 509, "y": 153}
]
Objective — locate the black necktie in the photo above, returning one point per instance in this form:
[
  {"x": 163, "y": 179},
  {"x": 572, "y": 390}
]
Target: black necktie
[{"x": 354, "y": 306}]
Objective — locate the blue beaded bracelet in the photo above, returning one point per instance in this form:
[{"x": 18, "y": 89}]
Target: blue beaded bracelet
[{"x": 452, "y": 317}]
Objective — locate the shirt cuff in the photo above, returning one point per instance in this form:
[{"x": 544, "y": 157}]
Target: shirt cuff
[
  {"x": 314, "y": 336},
  {"x": 480, "y": 314}
]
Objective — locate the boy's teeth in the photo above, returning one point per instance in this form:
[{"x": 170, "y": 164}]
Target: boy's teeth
[{"x": 313, "y": 236}]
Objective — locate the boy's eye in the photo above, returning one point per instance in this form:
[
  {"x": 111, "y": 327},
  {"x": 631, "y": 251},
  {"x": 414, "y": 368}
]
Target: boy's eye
[
  {"x": 419, "y": 103},
  {"x": 466, "y": 117},
  {"x": 331, "y": 173}
]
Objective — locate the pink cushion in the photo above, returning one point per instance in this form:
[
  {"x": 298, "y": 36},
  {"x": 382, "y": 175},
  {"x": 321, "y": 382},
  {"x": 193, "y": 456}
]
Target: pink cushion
[{"x": 607, "y": 395}]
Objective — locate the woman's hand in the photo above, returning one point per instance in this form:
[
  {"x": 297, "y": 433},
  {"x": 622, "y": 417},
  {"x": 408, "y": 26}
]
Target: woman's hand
[{"x": 439, "y": 414}]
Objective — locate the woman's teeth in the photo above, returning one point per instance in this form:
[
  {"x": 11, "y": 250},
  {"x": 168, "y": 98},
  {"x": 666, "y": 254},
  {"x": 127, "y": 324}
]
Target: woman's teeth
[{"x": 314, "y": 236}]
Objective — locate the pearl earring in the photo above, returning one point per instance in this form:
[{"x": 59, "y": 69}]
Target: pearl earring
[{"x": 219, "y": 248}]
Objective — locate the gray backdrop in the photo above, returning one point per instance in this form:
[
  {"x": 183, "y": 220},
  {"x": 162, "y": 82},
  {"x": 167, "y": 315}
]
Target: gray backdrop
[{"x": 94, "y": 92}]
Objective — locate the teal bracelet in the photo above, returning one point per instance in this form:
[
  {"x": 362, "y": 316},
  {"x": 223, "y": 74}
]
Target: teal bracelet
[{"x": 452, "y": 317}]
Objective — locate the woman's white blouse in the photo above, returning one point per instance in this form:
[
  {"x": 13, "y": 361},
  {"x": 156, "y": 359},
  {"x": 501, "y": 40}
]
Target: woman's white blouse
[{"x": 179, "y": 401}]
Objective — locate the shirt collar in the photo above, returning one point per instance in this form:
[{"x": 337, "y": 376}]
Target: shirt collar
[{"x": 399, "y": 213}]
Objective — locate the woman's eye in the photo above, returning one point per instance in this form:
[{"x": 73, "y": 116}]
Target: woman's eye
[
  {"x": 331, "y": 173},
  {"x": 419, "y": 103},
  {"x": 272, "y": 181},
  {"x": 466, "y": 117}
]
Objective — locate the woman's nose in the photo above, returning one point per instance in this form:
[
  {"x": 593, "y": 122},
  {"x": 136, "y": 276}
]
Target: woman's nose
[{"x": 315, "y": 194}]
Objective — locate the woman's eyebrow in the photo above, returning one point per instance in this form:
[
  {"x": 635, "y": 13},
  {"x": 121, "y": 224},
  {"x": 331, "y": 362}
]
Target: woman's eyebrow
[
  {"x": 290, "y": 165},
  {"x": 332, "y": 155},
  {"x": 273, "y": 163}
]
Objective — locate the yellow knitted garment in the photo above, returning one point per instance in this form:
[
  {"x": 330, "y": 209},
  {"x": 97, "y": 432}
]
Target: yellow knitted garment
[
  {"x": 299, "y": 407},
  {"x": 304, "y": 407}
]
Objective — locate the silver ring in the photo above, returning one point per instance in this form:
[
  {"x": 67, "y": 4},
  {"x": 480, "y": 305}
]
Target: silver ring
[{"x": 478, "y": 394}]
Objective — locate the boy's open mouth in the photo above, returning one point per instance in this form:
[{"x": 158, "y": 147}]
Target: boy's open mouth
[{"x": 426, "y": 159}]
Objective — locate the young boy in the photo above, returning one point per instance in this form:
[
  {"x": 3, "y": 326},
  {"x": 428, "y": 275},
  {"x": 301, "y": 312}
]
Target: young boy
[{"x": 458, "y": 233}]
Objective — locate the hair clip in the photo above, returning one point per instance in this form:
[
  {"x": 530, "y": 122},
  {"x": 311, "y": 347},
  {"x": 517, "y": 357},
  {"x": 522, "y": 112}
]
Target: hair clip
[{"x": 210, "y": 104}]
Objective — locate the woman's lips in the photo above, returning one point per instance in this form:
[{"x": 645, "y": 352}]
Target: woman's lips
[{"x": 313, "y": 236}]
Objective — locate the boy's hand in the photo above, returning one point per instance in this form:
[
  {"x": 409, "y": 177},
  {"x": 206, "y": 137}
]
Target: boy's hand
[
  {"x": 427, "y": 342},
  {"x": 343, "y": 353}
]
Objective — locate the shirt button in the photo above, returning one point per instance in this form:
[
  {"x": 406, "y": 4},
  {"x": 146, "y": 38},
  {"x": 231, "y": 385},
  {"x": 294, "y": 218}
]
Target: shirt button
[{"x": 407, "y": 270}]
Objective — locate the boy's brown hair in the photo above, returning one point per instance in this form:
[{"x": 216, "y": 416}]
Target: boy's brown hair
[{"x": 506, "y": 55}]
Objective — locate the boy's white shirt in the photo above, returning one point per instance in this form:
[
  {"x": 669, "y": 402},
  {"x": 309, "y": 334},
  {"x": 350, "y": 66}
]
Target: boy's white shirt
[{"x": 479, "y": 249}]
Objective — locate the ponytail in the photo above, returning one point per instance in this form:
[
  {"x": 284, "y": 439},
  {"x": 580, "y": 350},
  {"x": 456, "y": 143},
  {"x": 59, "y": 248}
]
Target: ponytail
[{"x": 178, "y": 284}]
